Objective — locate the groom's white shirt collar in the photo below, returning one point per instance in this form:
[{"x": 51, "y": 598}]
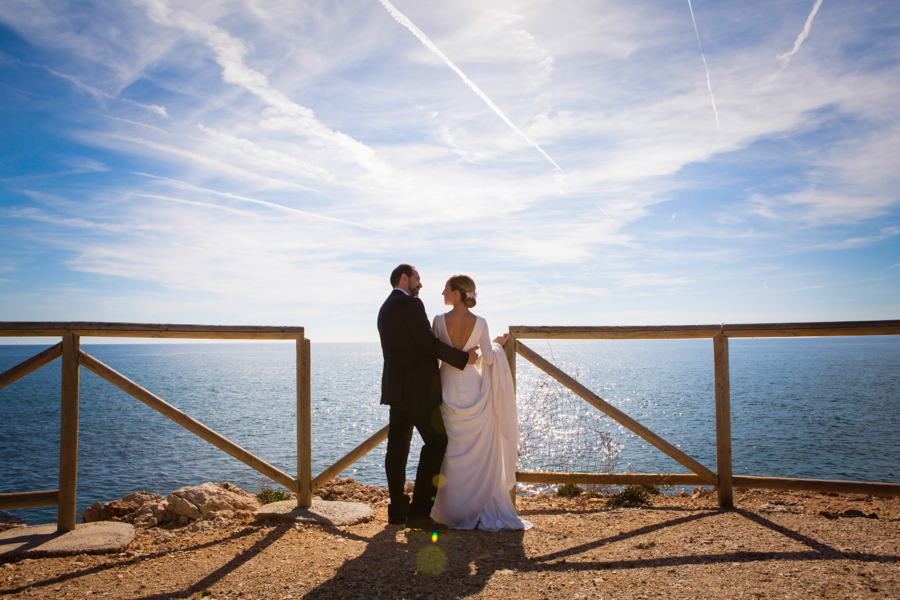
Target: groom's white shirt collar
[{"x": 402, "y": 290}]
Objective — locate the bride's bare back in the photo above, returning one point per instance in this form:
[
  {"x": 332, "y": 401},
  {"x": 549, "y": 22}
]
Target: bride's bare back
[{"x": 460, "y": 324}]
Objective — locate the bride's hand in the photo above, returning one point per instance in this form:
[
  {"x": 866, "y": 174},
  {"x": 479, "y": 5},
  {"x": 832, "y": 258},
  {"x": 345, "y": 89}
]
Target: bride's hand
[
  {"x": 473, "y": 356},
  {"x": 501, "y": 339}
]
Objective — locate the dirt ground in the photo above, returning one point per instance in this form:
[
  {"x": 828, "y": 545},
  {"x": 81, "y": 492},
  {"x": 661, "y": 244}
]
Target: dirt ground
[{"x": 772, "y": 545}]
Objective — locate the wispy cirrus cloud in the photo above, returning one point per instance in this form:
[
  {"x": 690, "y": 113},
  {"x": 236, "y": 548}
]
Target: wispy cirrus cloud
[
  {"x": 285, "y": 114},
  {"x": 278, "y": 207}
]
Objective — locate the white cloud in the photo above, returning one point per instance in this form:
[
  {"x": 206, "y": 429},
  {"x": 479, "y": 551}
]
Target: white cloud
[
  {"x": 283, "y": 113},
  {"x": 315, "y": 142},
  {"x": 403, "y": 20}
]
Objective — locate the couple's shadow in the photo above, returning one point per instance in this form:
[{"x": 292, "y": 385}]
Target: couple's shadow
[{"x": 402, "y": 563}]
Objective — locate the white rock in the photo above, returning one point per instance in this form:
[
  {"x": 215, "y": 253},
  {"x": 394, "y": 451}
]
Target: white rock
[
  {"x": 212, "y": 498},
  {"x": 183, "y": 507}
]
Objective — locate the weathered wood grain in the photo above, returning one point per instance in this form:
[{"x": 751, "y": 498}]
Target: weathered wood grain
[
  {"x": 723, "y": 420},
  {"x": 31, "y": 365},
  {"x": 29, "y": 499}
]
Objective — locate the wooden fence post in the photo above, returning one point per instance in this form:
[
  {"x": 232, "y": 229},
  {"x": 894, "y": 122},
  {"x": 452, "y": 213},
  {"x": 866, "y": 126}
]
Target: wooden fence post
[
  {"x": 510, "y": 349},
  {"x": 723, "y": 421},
  {"x": 68, "y": 435},
  {"x": 304, "y": 425}
]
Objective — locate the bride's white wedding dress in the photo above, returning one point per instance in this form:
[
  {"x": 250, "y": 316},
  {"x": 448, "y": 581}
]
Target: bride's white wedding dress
[{"x": 479, "y": 411}]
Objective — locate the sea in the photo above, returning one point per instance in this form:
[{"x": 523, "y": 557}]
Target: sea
[{"x": 824, "y": 408}]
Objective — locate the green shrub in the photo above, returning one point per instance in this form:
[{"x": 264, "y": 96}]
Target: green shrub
[
  {"x": 267, "y": 495},
  {"x": 632, "y": 495},
  {"x": 568, "y": 490}
]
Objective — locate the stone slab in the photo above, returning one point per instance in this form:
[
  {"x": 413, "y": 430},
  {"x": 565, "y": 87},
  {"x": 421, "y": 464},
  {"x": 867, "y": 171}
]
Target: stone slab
[
  {"x": 322, "y": 511},
  {"x": 88, "y": 538}
]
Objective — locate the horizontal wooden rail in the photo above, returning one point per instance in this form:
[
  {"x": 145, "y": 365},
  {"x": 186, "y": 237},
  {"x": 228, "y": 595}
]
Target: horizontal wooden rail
[
  {"x": 150, "y": 330},
  {"x": 610, "y": 478},
  {"x": 29, "y": 366},
  {"x": 656, "y": 332},
  {"x": 29, "y": 499},
  {"x": 351, "y": 457},
  {"x": 813, "y": 329},
  {"x": 661, "y": 332},
  {"x": 817, "y": 485},
  {"x": 195, "y": 427},
  {"x": 739, "y": 481},
  {"x": 614, "y": 413}
]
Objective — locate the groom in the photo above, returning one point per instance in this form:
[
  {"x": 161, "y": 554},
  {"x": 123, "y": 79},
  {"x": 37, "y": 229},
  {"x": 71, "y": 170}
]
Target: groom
[{"x": 411, "y": 386}]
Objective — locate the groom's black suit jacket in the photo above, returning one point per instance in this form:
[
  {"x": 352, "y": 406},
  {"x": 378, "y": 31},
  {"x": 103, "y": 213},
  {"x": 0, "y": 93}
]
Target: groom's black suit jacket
[{"x": 411, "y": 377}]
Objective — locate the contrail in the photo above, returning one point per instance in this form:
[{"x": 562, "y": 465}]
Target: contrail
[
  {"x": 786, "y": 57},
  {"x": 160, "y": 110},
  {"x": 245, "y": 213},
  {"x": 188, "y": 186},
  {"x": 403, "y": 20},
  {"x": 705, "y": 66}
]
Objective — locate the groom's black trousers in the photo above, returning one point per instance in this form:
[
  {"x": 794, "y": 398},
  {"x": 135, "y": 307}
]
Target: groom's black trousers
[{"x": 431, "y": 427}]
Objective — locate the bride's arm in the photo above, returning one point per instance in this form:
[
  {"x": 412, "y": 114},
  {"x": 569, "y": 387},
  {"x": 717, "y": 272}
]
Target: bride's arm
[{"x": 487, "y": 350}]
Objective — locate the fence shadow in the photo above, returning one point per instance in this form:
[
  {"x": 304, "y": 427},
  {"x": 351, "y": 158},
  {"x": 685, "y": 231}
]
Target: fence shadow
[
  {"x": 74, "y": 575},
  {"x": 557, "y": 561}
]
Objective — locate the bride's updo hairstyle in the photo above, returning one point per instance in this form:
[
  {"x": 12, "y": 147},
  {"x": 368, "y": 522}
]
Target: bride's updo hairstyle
[{"x": 464, "y": 285}]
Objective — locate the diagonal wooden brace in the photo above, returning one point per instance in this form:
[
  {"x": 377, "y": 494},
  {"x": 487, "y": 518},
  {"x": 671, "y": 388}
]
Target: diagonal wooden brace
[{"x": 615, "y": 414}]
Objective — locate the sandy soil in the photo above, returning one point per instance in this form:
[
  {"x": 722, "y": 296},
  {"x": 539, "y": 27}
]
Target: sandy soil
[{"x": 772, "y": 545}]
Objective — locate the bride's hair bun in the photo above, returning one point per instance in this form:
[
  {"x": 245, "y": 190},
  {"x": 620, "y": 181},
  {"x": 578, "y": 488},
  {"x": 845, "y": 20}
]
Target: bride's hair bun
[{"x": 466, "y": 288}]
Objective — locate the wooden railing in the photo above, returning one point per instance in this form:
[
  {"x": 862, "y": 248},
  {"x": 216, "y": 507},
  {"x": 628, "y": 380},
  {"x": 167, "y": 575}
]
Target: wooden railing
[
  {"x": 722, "y": 479},
  {"x": 304, "y": 484},
  {"x": 73, "y": 358}
]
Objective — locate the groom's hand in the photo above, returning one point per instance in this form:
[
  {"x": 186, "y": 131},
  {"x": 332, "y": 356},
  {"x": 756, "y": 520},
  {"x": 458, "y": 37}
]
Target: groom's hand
[{"x": 473, "y": 356}]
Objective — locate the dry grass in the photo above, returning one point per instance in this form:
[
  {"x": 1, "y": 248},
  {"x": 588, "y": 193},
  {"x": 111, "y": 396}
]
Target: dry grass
[{"x": 773, "y": 545}]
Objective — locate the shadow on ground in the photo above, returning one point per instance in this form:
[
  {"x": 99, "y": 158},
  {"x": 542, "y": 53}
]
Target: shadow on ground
[{"x": 395, "y": 564}]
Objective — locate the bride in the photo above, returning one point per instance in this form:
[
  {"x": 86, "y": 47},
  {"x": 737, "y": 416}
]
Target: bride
[{"x": 479, "y": 411}]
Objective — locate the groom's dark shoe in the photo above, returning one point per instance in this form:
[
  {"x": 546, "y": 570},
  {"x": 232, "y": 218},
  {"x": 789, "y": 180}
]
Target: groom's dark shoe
[
  {"x": 398, "y": 512},
  {"x": 425, "y": 524}
]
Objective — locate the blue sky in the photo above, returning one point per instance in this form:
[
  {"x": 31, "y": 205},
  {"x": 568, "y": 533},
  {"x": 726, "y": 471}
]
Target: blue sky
[{"x": 587, "y": 163}]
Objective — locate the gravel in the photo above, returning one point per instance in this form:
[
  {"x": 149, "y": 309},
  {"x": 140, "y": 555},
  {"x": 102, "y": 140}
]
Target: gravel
[{"x": 772, "y": 545}]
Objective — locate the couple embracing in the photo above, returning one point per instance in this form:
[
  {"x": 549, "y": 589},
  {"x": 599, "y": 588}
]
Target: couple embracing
[{"x": 463, "y": 405}]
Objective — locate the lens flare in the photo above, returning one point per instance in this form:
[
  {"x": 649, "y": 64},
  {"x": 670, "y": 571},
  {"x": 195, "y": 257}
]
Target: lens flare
[
  {"x": 434, "y": 537},
  {"x": 431, "y": 561},
  {"x": 439, "y": 481}
]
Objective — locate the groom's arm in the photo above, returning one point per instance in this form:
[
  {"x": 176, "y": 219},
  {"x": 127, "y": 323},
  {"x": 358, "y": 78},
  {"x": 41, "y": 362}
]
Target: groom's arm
[{"x": 417, "y": 324}]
